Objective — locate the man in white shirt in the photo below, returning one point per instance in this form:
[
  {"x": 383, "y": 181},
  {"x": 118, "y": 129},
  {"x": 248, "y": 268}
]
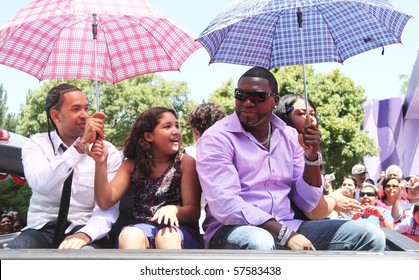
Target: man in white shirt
[{"x": 49, "y": 158}]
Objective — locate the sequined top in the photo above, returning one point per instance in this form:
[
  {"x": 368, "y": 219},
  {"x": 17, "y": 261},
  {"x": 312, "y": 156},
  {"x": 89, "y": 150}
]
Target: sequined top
[{"x": 150, "y": 194}]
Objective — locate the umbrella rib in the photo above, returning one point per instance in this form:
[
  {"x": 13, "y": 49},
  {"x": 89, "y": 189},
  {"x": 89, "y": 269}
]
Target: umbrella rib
[
  {"x": 272, "y": 42},
  {"x": 221, "y": 42},
  {"x": 165, "y": 51},
  {"x": 100, "y": 25}
]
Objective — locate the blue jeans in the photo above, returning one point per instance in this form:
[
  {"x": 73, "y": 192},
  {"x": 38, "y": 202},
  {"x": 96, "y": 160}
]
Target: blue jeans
[
  {"x": 324, "y": 235},
  {"x": 43, "y": 238}
]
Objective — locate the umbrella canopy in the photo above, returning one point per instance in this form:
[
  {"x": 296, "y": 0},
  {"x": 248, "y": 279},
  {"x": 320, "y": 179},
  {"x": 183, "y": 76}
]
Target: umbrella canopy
[
  {"x": 275, "y": 33},
  {"x": 267, "y": 33},
  {"x": 53, "y": 39},
  {"x": 10, "y": 155}
]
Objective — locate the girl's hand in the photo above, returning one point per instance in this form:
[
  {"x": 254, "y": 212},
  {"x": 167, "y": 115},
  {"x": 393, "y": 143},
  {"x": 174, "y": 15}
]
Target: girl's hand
[
  {"x": 166, "y": 215},
  {"x": 99, "y": 151},
  {"x": 299, "y": 242}
]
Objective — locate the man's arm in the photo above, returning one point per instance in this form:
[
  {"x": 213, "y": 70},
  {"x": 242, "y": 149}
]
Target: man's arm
[{"x": 101, "y": 221}]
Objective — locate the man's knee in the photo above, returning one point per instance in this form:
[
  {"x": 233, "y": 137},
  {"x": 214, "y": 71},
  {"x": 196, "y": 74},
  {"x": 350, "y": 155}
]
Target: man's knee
[
  {"x": 30, "y": 238},
  {"x": 259, "y": 239},
  {"x": 244, "y": 237}
]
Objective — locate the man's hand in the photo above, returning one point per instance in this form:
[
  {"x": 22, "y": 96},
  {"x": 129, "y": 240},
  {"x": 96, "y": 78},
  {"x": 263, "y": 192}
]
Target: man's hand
[
  {"x": 95, "y": 127},
  {"x": 75, "y": 241},
  {"x": 311, "y": 141}
]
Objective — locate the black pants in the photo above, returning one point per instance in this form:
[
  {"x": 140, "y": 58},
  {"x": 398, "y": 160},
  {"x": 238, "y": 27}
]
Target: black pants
[{"x": 43, "y": 238}]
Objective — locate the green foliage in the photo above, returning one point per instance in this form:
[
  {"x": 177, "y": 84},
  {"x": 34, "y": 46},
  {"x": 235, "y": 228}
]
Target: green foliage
[
  {"x": 8, "y": 121},
  {"x": 340, "y": 110},
  {"x": 14, "y": 196},
  {"x": 224, "y": 96},
  {"x": 404, "y": 78},
  {"x": 3, "y": 102}
]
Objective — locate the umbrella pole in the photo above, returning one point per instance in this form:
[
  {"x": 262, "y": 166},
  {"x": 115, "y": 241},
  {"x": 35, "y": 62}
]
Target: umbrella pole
[
  {"x": 94, "y": 31},
  {"x": 300, "y": 27}
]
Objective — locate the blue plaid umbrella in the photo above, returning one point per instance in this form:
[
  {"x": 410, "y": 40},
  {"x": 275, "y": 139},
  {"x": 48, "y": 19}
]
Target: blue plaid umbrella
[{"x": 275, "y": 33}]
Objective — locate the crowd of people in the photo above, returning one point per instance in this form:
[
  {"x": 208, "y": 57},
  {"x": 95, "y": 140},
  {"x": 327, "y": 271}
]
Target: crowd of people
[
  {"x": 11, "y": 221},
  {"x": 258, "y": 173},
  {"x": 391, "y": 202}
]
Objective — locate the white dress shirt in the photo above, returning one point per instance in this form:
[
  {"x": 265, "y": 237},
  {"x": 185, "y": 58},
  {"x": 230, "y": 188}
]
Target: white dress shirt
[{"x": 46, "y": 171}]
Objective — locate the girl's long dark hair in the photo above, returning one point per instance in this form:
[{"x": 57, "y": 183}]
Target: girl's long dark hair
[{"x": 136, "y": 147}]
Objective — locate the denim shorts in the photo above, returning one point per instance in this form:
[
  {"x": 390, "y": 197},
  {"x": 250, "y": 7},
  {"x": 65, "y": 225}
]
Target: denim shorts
[{"x": 188, "y": 240}]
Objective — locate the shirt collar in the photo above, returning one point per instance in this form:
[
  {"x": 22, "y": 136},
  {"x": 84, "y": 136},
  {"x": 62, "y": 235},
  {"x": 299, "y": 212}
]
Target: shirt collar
[{"x": 56, "y": 140}]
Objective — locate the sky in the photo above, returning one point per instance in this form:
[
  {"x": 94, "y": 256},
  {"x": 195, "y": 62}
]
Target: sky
[{"x": 378, "y": 74}]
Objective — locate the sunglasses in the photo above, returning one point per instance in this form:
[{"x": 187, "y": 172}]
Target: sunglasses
[
  {"x": 254, "y": 96},
  {"x": 369, "y": 194}
]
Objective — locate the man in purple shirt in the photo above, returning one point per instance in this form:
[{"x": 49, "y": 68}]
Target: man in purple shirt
[{"x": 251, "y": 167}]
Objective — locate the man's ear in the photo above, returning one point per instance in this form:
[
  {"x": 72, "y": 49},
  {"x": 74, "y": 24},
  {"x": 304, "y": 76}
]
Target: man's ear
[{"x": 54, "y": 115}]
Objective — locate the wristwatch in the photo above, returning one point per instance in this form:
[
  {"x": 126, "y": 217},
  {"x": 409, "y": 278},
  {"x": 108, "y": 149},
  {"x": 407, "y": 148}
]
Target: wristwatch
[
  {"x": 317, "y": 162},
  {"x": 78, "y": 144}
]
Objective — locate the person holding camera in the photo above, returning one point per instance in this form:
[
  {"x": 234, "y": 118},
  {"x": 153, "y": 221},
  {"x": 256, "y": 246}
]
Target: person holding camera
[{"x": 368, "y": 197}]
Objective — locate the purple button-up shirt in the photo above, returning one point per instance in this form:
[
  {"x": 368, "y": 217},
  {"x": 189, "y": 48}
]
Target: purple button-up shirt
[{"x": 246, "y": 184}]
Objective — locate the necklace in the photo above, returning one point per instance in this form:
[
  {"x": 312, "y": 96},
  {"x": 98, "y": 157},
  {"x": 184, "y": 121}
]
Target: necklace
[{"x": 268, "y": 138}]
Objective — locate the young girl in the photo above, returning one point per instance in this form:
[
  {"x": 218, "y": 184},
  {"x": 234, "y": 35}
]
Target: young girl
[
  {"x": 409, "y": 225},
  {"x": 165, "y": 184}
]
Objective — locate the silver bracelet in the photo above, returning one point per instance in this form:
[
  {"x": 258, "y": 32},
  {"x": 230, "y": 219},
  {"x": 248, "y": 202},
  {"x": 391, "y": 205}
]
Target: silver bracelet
[
  {"x": 283, "y": 235},
  {"x": 285, "y": 238},
  {"x": 281, "y": 232},
  {"x": 317, "y": 162}
]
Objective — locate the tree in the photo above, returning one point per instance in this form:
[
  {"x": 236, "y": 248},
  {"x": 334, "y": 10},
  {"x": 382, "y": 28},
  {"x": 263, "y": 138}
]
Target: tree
[
  {"x": 340, "y": 110},
  {"x": 224, "y": 96},
  {"x": 3, "y": 102},
  {"x": 14, "y": 196},
  {"x": 8, "y": 121},
  {"x": 122, "y": 103}
]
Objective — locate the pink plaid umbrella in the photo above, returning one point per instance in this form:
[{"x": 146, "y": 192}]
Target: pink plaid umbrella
[{"x": 53, "y": 39}]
